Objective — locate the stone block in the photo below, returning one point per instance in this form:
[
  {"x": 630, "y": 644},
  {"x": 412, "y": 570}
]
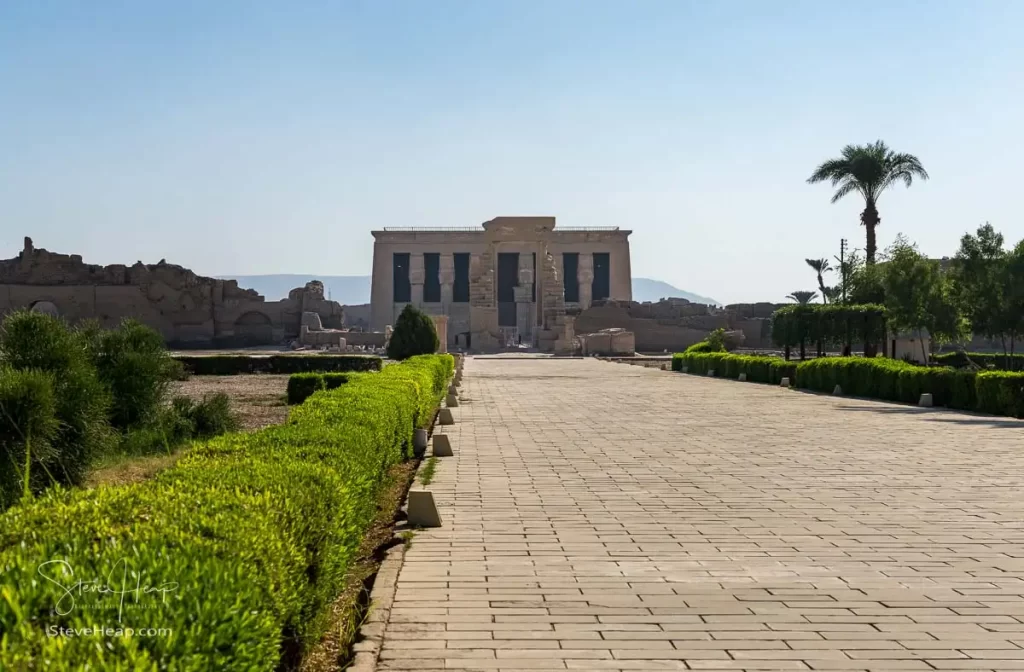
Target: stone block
[
  {"x": 743, "y": 377},
  {"x": 926, "y": 400},
  {"x": 442, "y": 446},
  {"x": 419, "y": 442},
  {"x": 451, "y": 401},
  {"x": 838, "y": 391},
  {"x": 784, "y": 382},
  {"x": 444, "y": 417},
  {"x": 711, "y": 373},
  {"x": 452, "y": 390},
  {"x": 422, "y": 511}
]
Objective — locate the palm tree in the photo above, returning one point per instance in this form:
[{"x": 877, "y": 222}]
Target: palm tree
[
  {"x": 803, "y": 297},
  {"x": 869, "y": 170},
  {"x": 820, "y": 266}
]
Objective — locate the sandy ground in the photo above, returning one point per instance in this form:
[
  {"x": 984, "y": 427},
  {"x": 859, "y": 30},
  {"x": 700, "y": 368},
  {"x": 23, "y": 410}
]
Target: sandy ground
[{"x": 257, "y": 399}]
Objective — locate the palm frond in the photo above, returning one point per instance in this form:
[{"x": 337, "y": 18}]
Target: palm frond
[
  {"x": 834, "y": 170},
  {"x": 849, "y": 186},
  {"x": 819, "y": 265},
  {"x": 802, "y": 297}
]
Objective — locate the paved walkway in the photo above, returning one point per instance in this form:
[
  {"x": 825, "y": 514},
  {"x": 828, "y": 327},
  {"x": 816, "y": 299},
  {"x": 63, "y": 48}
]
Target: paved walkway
[{"x": 602, "y": 516}]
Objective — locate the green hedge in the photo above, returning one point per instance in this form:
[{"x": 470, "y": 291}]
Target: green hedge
[
  {"x": 231, "y": 365},
  {"x": 247, "y": 539},
  {"x": 995, "y": 392},
  {"x": 961, "y": 360},
  {"x": 759, "y": 369},
  {"x": 830, "y": 324},
  {"x": 1001, "y": 393},
  {"x": 302, "y": 385}
]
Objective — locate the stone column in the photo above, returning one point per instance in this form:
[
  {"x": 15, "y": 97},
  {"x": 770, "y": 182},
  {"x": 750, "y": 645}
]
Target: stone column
[
  {"x": 416, "y": 276},
  {"x": 441, "y": 325},
  {"x": 585, "y": 276},
  {"x": 524, "y": 298},
  {"x": 447, "y": 281}
]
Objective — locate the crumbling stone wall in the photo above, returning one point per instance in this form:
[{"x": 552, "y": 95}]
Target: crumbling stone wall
[
  {"x": 189, "y": 310},
  {"x": 675, "y": 324}
]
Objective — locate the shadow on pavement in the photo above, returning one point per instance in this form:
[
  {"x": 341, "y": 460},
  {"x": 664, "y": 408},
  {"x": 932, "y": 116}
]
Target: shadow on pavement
[{"x": 967, "y": 419}]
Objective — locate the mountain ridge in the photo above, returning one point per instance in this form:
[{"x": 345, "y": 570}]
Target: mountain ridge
[{"x": 355, "y": 289}]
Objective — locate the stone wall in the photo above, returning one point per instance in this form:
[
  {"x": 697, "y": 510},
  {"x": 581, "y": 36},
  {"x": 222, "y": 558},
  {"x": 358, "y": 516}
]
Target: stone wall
[
  {"x": 675, "y": 324},
  {"x": 188, "y": 310}
]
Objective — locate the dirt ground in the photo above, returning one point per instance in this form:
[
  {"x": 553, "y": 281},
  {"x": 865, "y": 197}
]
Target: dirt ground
[{"x": 257, "y": 399}]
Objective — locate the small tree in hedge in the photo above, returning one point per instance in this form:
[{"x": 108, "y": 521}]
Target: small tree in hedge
[{"x": 414, "y": 334}]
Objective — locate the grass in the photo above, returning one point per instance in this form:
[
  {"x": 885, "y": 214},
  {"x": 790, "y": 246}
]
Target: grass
[{"x": 427, "y": 475}]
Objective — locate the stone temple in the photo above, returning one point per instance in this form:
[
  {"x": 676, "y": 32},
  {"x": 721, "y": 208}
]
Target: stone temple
[{"x": 512, "y": 280}]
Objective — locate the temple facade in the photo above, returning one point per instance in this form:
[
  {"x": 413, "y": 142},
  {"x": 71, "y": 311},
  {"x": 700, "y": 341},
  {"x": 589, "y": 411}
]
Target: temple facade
[{"x": 510, "y": 280}]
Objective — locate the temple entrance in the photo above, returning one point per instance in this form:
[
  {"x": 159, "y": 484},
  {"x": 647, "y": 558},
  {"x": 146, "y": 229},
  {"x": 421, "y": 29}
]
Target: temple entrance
[{"x": 508, "y": 280}]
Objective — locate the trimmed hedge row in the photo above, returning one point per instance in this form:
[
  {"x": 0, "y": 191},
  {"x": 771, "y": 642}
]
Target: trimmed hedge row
[
  {"x": 233, "y": 365},
  {"x": 759, "y": 369},
  {"x": 995, "y": 392},
  {"x": 301, "y": 386},
  {"x": 961, "y": 360},
  {"x": 238, "y": 550}
]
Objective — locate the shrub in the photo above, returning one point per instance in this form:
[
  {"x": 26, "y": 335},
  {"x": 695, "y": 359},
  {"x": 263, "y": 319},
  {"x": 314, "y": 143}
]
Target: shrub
[
  {"x": 232, "y": 365},
  {"x": 999, "y": 362},
  {"x": 211, "y": 416},
  {"x": 135, "y": 366},
  {"x": 35, "y": 341},
  {"x": 759, "y": 369},
  {"x": 255, "y": 532},
  {"x": 301, "y": 386},
  {"x": 414, "y": 334},
  {"x": 831, "y": 324},
  {"x": 28, "y": 419},
  {"x": 1001, "y": 393}
]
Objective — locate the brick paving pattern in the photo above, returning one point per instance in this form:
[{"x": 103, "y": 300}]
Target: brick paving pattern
[{"x": 600, "y": 516}]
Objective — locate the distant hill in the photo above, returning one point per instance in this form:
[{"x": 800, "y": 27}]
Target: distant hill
[
  {"x": 355, "y": 289},
  {"x": 645, "y": 289}
]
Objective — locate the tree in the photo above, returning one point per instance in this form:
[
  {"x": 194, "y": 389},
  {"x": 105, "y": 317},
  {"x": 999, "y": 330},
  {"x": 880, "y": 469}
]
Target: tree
[
  {"x": 802, "y": 297},
  {"x": 918, "y": 295},
  {"x": 983, "y": 280},
  {"x": 868, "y": 170},
  {"x": 414, "y": 334},
  {"x": 821, "y": 267}
]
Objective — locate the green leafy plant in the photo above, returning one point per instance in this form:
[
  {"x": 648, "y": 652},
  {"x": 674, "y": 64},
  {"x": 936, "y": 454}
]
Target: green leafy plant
[
  {"x": 713, "y": 342},
  {"x": 233, "y": 365},
  {"x": 255, "y": 532},
  {"x": 414, "y": 334}
]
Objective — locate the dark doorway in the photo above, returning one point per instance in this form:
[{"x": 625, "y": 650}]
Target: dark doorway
[{"x": 508, "y": 279}]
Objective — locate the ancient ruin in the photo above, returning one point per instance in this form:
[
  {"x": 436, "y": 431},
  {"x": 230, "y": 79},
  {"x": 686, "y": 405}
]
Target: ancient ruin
[{"x": 189, "y": 310}]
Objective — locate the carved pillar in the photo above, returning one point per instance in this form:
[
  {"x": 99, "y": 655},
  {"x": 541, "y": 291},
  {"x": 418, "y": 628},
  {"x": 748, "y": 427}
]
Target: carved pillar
[
  {"x": 416, "y": 275},
  {"x": 441, "y": 326},
  {"x": 524, "y": 298},
  {"x": 585, "y": 277},
  {"x": 447, "y": 274}
]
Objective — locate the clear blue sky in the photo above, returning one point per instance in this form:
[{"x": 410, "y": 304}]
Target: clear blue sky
[{"x": 271, "y": 137}]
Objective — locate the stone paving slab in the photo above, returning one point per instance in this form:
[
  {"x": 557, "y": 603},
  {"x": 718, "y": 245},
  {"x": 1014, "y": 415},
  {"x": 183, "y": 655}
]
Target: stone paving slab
[{"x": 599, "y": 516}]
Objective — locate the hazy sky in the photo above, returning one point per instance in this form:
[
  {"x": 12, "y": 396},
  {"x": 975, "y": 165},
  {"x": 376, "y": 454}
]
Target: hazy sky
[{"x": 271, "y": 137}]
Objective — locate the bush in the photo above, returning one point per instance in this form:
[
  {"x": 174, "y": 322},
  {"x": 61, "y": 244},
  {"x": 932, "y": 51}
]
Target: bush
[
  {"x": 759, "y": 369},
  {"x": 830, "y": 324},
  {"x": 28, "y": 418},
  {"x": 1001, "y": 393},
  {"x": 999, "y": 362},
  {"x": 414, "y": 334},
  {"x": 35, "y": 341},
  {"x": 251, "y": 534},
  {"x": 135, "y": 366},
  {"x": 301, "y": 386},
  {"x": 233, "y": 365}
]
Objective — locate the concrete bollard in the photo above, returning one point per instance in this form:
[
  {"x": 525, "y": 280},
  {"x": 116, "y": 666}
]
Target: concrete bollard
[
  {"x": 451, "y": 401},
  {"x": 444, "y": 417},
  {"x": 419, "y": 442},
  {"x": 743, "y": 377},
  {"x": 452, "y": 390},
  {"x": 838, "y": 391},
  {"x": 684, "y": 369},
  {"x": 926, "y": 400},
  {"x": 442, "y": 446},
  {"x": 784, "y": 382},
  {"x": 422, "y": 510},
  {"x": 711, "y": 373}
]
